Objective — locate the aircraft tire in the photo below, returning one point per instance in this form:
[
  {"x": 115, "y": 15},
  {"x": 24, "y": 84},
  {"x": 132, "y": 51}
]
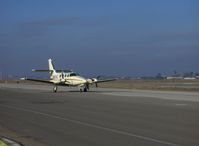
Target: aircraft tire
[
  {"x": 85, "y": 89},
  {"x": 55, "y": 89}
]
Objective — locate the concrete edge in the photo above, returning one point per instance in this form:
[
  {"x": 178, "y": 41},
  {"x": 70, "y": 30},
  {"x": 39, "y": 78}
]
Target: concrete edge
[{"x": 4, "y": 141}]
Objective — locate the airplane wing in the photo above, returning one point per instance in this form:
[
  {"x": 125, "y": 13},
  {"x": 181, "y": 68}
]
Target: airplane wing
[
  {"x": 96, "y": 81},
  {"x": 65, "y": 70},
  {"x": 108, "y": 80},
  {"x": 45, "y": 81},
  {"x": 37, "y": 80}
]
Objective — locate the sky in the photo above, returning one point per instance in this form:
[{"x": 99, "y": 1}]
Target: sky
[{"x": 100, "y": 37}]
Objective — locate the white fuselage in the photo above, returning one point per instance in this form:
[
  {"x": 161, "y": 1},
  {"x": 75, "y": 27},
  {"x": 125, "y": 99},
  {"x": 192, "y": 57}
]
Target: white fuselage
[{"x": 70, "y": 79}]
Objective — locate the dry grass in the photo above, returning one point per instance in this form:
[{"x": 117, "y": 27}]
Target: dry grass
[
  {"x": 170, "y": 85},
  {"x": 18, "y": 137}
]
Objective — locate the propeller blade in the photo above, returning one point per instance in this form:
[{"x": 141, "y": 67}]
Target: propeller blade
[
  {"x": 87, "y": 86},
  {"x": 96, "y": 85}
]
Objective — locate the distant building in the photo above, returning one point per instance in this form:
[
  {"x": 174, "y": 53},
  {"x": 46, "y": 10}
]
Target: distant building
[
  {"x": 172, "y": 78},
  {"x": 184, "y": 76},
  {"x": 189, "y": 78}
]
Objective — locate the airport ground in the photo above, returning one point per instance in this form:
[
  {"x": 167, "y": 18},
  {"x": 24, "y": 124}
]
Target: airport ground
[
  {"x": 34, "y": 115},
  {"x": 162, "y": 85}
]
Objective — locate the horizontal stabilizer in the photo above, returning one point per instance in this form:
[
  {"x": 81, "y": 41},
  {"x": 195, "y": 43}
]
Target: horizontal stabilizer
[
  {"x": 66, "y": 70},
  {"x": 41, "y": 70}
]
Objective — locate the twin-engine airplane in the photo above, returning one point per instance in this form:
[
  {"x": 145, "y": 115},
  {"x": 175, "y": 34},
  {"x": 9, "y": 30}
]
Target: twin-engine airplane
[{"x": 66, "y": 78}]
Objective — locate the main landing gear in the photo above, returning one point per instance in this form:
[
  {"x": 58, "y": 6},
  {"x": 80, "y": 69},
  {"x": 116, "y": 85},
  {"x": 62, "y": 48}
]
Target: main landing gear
[
  {"x": 84, "y": 89},
  {"x": 55, "y": 89}
]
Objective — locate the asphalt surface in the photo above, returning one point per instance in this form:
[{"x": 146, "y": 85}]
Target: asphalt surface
[{"x": 102, "y": 117}]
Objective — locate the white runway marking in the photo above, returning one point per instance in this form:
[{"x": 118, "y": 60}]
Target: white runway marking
[
  {"x": 94, "y": 126},
  {"x": 166, "y": 95}
]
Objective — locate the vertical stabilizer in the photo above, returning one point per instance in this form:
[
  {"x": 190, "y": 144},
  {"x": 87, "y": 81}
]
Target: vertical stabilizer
[{"x": 51, "y": 66}]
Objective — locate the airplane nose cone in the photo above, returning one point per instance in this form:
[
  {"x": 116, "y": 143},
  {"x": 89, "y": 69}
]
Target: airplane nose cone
[
  {"x": 84, "y": 80},
  {"x": 89, "y": 80}
]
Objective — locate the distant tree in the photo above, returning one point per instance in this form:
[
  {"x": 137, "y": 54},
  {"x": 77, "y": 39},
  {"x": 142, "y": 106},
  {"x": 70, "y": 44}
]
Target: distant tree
[
  {"x": 175, "y": 72},
  {"x": 188, "y": 74},
  {"x": 196, "y": 74},
  {"x": 159, "y": 76}
]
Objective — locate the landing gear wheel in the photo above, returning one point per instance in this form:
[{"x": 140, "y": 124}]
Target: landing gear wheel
[
  {"x": 85, "y": 89},
  {"x": 55, "y": 89}
]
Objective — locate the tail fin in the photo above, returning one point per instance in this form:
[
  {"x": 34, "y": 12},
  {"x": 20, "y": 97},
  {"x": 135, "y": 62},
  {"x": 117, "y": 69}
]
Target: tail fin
[{"x": 50, "y": 64}]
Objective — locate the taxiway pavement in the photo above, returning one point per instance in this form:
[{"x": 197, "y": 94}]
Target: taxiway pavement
[{"x": 108, "y": 117}]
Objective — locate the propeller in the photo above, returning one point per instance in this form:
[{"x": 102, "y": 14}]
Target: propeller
[
  {"x": 96, "y": 85},
  {"x": 94, "y": 81},
  {"x": 87, "y": 86}
]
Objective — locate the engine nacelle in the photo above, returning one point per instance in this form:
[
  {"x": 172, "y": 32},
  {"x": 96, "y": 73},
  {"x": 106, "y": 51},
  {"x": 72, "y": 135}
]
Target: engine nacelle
[{"x": 92, "y": 80}]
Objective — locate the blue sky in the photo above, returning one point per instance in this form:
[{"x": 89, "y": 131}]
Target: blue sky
[{"x": 110, "y": 37}]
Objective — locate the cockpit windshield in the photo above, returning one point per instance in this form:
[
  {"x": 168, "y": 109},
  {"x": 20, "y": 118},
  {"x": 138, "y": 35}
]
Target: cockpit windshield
[{"x": 73, "y": 74}]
